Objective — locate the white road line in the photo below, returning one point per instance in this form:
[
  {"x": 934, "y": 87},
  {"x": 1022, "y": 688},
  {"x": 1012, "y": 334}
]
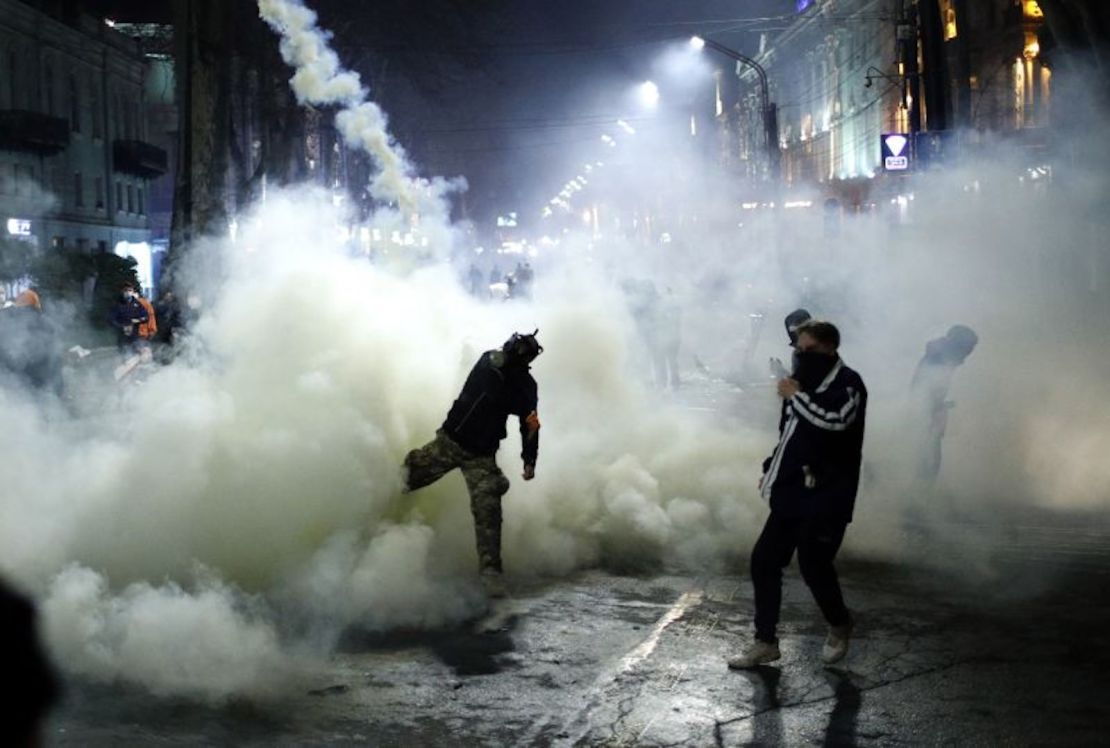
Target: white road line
[
  {"x": 630, "y": 660},
  {"x": 648, "y": 645}
]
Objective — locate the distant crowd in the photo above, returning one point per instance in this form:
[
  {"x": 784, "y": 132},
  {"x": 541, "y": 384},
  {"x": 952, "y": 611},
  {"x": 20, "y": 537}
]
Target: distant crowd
[{"x": 31, "y": 341}]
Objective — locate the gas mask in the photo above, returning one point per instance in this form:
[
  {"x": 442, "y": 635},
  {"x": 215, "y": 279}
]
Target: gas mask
[{"x": 522, "y": 348}]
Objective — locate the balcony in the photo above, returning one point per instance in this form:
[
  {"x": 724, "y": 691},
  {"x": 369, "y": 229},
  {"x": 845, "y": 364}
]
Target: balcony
[
  {"x": 22, "y": 130},
  {"x": 139, "y": 158}
]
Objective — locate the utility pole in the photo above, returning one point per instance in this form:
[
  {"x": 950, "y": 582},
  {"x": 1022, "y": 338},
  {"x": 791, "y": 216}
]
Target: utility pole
[{"x": 768, "y": 109}]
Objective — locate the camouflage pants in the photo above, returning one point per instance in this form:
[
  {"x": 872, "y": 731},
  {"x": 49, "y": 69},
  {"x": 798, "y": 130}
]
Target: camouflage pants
[{"x": 484, "y": 480}]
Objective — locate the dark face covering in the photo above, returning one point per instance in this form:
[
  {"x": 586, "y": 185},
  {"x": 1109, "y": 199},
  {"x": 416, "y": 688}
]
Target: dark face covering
[{"x": 811, "y": 368}]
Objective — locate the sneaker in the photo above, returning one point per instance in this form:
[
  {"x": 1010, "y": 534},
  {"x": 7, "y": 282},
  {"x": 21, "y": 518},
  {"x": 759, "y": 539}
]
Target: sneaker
[
  {"x": 836, "y": 644},
  {"x": 493, "y": 584},
  {"x": 759, "y": 653}
]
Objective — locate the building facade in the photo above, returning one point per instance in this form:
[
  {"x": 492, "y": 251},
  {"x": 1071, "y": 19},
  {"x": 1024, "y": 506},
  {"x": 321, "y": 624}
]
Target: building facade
[
  {"x": 955, "y": 72},
  {"x": 76, "y": 161}
]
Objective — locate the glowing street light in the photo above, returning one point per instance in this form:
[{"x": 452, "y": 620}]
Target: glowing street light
[
  {"x": 649, "y": 94},
  {"x": 697, "y": 43}
]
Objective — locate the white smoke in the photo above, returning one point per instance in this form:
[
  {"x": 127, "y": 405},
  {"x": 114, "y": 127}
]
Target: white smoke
[
  {"x": 206, "y": 644},
  {"x": 319, "y": 78},
  {"x": 270, "y": 456}
]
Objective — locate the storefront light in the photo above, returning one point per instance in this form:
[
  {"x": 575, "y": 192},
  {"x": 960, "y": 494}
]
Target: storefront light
[{"x": 19, "y": 227}]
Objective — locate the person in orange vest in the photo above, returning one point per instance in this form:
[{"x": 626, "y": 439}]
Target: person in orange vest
[
  {"x": 149, "y": 328},
  {"x": 29, "y": 298}
]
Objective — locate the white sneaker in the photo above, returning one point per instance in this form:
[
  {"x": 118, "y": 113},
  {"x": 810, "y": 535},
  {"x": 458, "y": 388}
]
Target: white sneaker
[
  {"x": 759, "y": 653},
  {"x": 493, "y": 584},
  {"x": 836, "y": 644}
]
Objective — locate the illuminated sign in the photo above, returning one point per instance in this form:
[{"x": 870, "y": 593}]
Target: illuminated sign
[
  {"x": 896, "y": 157},
  {"x": 19, "y": 227}
]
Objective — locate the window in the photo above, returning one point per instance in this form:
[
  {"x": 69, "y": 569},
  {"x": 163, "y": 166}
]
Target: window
[
  {"x": 948, "y": 17},
  {"x": 78, "y": 191},
  {"x": 98, "y": 188},
  {"x": 24, "y": 179},
  {"x": 94, "y": 107},
  {"x": 142, "y": 208},
  {"x": 102, "y": 246},
  {"x": 74, "y": 104},
  {"x": 119, "y": 197},
  {"x": 13, "y": 69},
  {"x": 1032, "y": 45},
  {"x": 130, "y": 199},
  {"x": 58, "y": 242},
  {"x": 48, "y": 89}
]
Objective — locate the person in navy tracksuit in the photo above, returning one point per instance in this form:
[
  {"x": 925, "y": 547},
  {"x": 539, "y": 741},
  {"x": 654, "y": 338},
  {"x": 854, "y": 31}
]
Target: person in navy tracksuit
[{"x": 810, "y": 481}]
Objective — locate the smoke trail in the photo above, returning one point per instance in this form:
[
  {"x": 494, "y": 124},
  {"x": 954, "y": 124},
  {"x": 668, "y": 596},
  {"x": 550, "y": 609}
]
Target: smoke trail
[{"x": 319, "y": 78}]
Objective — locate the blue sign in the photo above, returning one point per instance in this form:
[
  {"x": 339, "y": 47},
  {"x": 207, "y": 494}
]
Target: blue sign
[{"x": 895, "y": 149}]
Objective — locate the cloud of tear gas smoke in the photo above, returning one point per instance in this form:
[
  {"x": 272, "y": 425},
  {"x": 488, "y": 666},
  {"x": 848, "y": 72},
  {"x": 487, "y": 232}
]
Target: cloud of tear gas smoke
[
  {"x": 1004, "y": 244},
  {"x": 140, "y": 634},
  {"x": 269, "y": 453}
]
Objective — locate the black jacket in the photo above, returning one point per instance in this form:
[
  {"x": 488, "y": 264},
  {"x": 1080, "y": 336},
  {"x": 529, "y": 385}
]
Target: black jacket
[
  {"x": 814, "y": 470},
  {"x": 127, "y": 314},
  {"x": 494, "y": 390}
]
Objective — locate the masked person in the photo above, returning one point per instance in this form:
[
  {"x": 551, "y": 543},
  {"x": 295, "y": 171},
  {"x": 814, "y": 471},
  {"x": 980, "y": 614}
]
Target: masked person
[
  {"x": 810, "y": 481},
  {"x": 126, "y": 316},
  {"x": 499, "y": 385},
  {"x": 931, "y": 381}
]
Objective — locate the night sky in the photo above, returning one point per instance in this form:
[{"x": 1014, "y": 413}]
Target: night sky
[{"x": 529, "y": 85}]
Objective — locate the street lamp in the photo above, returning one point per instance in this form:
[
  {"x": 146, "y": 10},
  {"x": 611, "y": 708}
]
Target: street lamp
[{"x": 770, "y": 112}]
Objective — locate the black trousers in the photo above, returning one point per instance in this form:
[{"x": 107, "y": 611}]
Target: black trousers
[{"x": 817, "y": 540}]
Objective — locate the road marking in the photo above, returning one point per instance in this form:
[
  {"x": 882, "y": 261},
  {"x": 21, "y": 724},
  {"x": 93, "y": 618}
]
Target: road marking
[
  {"x": 648, "y": 645},
  {"x": 605, "y": 680}
]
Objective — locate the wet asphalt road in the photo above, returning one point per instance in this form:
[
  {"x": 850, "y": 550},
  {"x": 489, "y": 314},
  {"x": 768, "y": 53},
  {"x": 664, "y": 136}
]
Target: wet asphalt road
[{"x": 1019, "y": 657}]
